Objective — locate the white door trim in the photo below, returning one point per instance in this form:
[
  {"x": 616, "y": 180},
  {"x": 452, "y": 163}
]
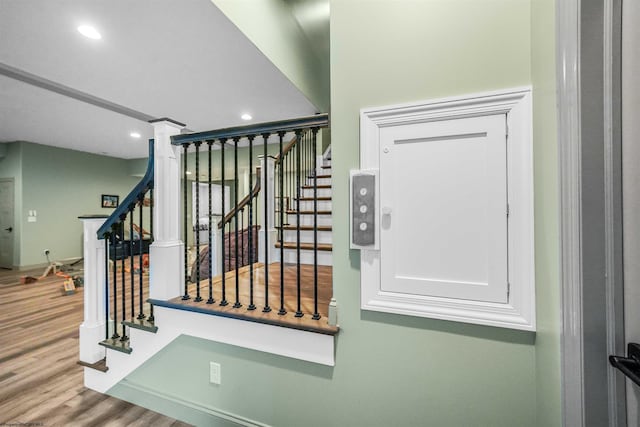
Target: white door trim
[{"x": 585, "y": 101}]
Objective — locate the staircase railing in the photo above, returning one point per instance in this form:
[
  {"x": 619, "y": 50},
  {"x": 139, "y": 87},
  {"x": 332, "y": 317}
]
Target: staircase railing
[
  {"x": 120, "y": 261},
  {"x": 287, "y": 170}
]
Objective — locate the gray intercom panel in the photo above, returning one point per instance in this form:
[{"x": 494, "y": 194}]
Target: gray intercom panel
[{"x": 363, "y": 209}]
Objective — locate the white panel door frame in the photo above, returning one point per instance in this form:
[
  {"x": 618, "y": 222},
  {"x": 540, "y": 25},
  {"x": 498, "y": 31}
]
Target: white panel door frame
[
  {"x": 519, "y": 311},
  {"x": 589, "y": 143}
]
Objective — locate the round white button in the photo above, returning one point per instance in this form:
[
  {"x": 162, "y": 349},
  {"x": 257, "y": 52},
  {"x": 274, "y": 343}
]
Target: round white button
[
  {"x": 363, "y": 208},
  {"x": 363, "y": 226},
  {"x": 363, "y": 191}
]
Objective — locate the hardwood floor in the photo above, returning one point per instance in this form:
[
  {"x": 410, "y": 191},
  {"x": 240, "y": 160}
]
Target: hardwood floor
[
  {"x": 40, "y": 381},
  {"x": 325, "y": 291}
]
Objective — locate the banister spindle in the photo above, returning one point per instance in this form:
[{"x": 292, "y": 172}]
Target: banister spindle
[
  {"x": 282, "y": 311},
  {"x": 298, "y": 195},
  {"x": 198, "y": 296},
  {"x": 251, "y": 306},
  {"x": 132, "y": 285},
  {"x": 106, "y": 286},
  {"x": 235, "y": 203},
  {"x": 242, "y": 264},
  {"x": 115, "y": 284},
  {"x": 124, "y": 336},
  {"x": 210, "y": 300},
  {"x": 140, "y": 252},
  {"x": 184, "y": 219},
  {"x": 316, "y": 315},
  {"x": 266, "y": 309},
  {"x": 150, "y": 215},
  {"x": 223, "y": 301}
]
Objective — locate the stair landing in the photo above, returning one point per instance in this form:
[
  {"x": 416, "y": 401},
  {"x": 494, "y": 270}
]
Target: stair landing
[{"x": 290, "y": 297}]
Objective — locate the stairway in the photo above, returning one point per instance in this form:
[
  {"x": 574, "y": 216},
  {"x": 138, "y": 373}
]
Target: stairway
[{"x": 324, "y": 228}]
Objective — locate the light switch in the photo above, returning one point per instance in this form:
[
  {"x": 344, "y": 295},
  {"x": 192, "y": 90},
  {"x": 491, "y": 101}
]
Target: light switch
[{"x": 214, "y": 373}]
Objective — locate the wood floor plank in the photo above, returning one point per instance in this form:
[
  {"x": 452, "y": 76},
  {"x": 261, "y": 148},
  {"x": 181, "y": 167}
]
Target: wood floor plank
[{"x": 40, "y": 381}]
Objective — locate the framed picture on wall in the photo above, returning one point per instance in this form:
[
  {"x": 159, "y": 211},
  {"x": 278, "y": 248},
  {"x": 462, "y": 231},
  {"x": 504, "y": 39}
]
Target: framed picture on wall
[{"x": 110, "y": 201}]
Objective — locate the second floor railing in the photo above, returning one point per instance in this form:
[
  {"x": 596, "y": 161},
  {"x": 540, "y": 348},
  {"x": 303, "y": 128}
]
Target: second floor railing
[{"x": 260, "y": 181}]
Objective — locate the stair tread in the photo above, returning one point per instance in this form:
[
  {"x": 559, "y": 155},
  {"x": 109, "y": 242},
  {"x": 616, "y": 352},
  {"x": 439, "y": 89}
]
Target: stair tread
[
  {"x": 328, "y": 175},
  {"x": 116, "y": 344},
  {"x": 100, "y": 365},
  {"x": 308, "y": 227},
  {"x": 319, "y": 186},
  {"x": 326, "y": 166},
  {"x": 323, "y": 198},
  {"x": 306, "y": 246},
  {"x": 141, "y": 324},
  {"x": 292, "y": 212}
]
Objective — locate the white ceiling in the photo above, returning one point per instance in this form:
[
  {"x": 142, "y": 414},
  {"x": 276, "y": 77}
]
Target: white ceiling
[{"x": 157, "y": 58}]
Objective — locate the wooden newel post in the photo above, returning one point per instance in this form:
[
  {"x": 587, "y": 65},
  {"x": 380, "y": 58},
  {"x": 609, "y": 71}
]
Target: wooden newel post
[
  {"x": 93, "y": 327},
  {"x": 166, "y": 253}
]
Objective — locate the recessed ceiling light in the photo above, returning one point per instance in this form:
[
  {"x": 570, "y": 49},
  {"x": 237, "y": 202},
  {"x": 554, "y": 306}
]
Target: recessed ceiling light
[
  {"x": 246, "y": 116},
  {"x": 188, "y": 172},
  {"x": 135, "y": 135},
  {"x": 89, "y": 31}
]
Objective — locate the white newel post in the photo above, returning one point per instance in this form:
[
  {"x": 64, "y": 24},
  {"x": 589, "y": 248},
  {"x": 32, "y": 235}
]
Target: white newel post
[
  {"x": 92, "y": 329},
  {"x": 267, "y": 188},
  {"x": 166, "y": 254}
]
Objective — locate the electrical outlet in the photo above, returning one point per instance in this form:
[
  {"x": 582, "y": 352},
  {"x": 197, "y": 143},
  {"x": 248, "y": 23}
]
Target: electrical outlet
[
  {"x": 214, "y": 373},
  {"x": 46, "y": 252}
]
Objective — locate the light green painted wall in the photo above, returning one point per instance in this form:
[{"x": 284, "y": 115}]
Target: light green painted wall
[
  {"x": 11, "y": 167},
  {"x": 61, "y": 185},
  {"x": 271, "y": 26},
  {"x": 391, "y": 369},
  {"x": 546, "y": 213}
]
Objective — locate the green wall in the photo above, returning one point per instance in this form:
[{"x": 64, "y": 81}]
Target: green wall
[
  {"x": 392, "y": 369},
  {"x": 272, "y": 27},
  {"x": 11, "y": 167},
  {"x": 61, "y": 185}
]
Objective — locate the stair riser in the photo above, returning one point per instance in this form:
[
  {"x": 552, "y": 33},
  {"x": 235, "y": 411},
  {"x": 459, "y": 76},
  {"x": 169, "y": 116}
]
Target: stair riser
[
  {"x": 322, "y": 192},
  {"x": 308, "y": 219},
  {"x": 306, "y": 257},
  {"x": 306, "y": 236},
  {"x": 323, "y": 205}
]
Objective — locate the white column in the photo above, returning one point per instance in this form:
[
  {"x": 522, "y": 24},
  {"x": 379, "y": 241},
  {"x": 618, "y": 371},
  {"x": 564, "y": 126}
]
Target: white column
[
  {"x": 267, "y": 187},
  {"x": 92, "y": 330},
  {"x": 166, "y": 254}
]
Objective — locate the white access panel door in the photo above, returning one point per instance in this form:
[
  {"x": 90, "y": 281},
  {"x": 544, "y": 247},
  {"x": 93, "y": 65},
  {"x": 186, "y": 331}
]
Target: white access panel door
[{"x": 443, "y": 200}]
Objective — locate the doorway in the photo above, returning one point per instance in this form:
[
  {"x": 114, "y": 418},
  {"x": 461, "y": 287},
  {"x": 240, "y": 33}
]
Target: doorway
[{"x": 6, "y": 223}]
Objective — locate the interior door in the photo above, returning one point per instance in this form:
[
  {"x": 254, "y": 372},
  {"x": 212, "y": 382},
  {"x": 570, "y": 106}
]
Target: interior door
[
  {"x": 631, "y": 187},
  {"x": 443, "y": 196},
  {"x": 6, "y": 223}
]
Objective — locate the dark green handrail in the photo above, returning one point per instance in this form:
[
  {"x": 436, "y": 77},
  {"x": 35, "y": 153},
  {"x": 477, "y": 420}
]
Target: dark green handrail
[
  {"x": 145, "y": 184},
  {"x": 315, "y": 121}
]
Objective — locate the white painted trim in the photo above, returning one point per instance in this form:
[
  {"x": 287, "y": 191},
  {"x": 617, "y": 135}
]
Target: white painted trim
[
  {"x": 519, "y": 312},
  {"x": 207, "y": 409},
  {"x": 171, "y": 323},
  {"x": 569, "y": 155},
  {"x": 612, "y": 42}
]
